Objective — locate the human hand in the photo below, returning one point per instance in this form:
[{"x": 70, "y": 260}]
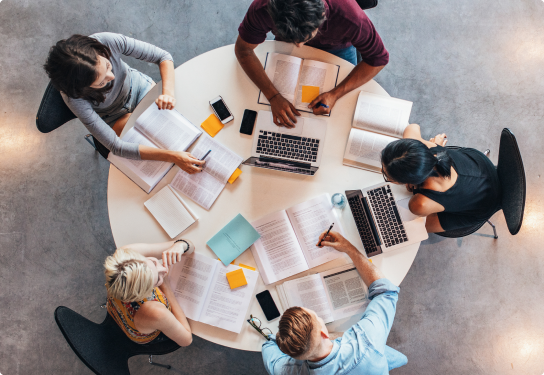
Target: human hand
[
  {"x": 187, "y": 162},
  {"x": 173, "y": 255},
  {"x": 440, "y": 139},
  {"x": 165, "y": 102},
  {"x": 336, "y": 241},
  {"x": 283, "y": 112},
  {"x": 327, "y": 98}
]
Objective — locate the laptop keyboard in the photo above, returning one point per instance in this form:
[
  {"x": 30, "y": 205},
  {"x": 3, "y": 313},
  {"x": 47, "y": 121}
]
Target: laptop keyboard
[
  {"x": 287, "y": 146},
  {"x": 387, "y": 216},
  {"x": 363, "y": 226}
]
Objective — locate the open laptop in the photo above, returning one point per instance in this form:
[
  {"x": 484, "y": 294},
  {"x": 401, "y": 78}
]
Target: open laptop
[
  {"x": 383, "y": 219},
  {"x": 296, "y": 150}
]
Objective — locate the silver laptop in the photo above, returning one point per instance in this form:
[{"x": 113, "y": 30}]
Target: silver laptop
[
  {"x": 296, "y": 150},
  {"x": 383, "y": 219}
]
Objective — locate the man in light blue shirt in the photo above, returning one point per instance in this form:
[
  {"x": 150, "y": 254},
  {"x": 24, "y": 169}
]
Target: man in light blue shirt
[{"x": 303, "y": 344}]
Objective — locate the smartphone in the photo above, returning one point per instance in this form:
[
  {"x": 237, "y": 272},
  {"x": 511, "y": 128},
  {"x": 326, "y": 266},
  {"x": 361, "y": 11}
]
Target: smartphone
[
  {"x": 221, "y": 110},
  {"x": 268, "y": 305},
  {"x": 248, "y": 122}
]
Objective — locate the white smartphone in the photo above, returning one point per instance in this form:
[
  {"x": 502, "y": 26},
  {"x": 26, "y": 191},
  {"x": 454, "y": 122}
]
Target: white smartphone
[{"x": 221, "y": 110}]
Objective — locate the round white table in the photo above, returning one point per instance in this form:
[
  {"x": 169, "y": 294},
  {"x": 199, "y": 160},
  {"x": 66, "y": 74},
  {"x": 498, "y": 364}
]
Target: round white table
[{"x": 257, "y": 191}]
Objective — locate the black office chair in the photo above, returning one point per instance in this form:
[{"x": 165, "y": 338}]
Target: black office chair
[
  {"x": 53, "y": 113},
  {"x": 104, "y": 348},
  {"x": 513, "y": 188},
  {"x": 365, "y": 4}
]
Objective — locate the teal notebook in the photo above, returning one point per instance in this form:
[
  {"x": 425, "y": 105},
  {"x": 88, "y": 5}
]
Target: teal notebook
[{"x": 235, "y": 238}]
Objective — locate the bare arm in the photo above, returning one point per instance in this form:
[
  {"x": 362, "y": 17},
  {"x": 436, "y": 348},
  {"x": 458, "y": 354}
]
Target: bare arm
[
  {"x": 182, "y": 159},
  {"x": 283, "y": 111},
  {"x": 167, "y": 100},
  {"x": 361, "y": 74},
  {"x": 170, "y": 252},
  {"x": 369, "y": 272}
]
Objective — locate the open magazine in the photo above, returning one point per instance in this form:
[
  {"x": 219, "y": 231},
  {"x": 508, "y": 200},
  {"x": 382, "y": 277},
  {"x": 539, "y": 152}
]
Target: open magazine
[
  {"x": 289, "y": 74},
  {"x": 288, "y": 239},
  {"x": 334, "y": 294},
  {"x": 203, "y": 292},
  {"x": 205, "y": 187},
  {"x": 166, "y": 129},
  {"x": 378, "y": 121}
]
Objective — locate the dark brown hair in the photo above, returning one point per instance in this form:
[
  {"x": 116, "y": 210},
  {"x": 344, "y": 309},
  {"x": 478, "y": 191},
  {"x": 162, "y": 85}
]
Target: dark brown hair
[
  {"x": 294, "y": 336},
  {"x": 71, "y": 66}
]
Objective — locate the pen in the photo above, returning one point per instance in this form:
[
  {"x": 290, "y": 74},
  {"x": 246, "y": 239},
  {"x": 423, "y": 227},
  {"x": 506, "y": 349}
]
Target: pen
[
  {"x": 322, "y": 105},
  {"x": 207, "y": 153},
  {"x": 332, "y": 225}
]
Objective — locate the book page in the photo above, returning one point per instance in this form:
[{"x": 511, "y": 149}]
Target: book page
[
  {"x": 309, "y": 220},
  {"x": 310, "y": 293},
  {"x": 381, "y": 114},
  {"x": 167, "y": 128},
  {"x": 283, "y": 71},
  {"x": 221, "y": 162},
  {"x": 365, "y": 147},
  {"x": 145, "y": 173},
  {"x": 190, "y": 280},
  {"x": 168, "y": 210},
  {"x": 202, "y": 188},
  {"x": 277, "y": 252},
  {"x": 225, "y": 307},
  {"x": 318, "y": 74},
  {"x": 346, "y": 291}
]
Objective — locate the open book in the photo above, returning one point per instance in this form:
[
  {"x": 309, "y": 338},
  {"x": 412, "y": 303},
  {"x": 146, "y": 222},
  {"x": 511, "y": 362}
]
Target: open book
[
  {"x": 203, "y": 292},
  {"x": 166, "y": 129},
  {"x": 289, "y": 74},
  {"x": 288, "y": 239},
  {"x": 334, "y": 294},
  {"x": 172, "y": 213},
  {"x": 378, "y": 121},
  {"x": 205, "y": 187}
]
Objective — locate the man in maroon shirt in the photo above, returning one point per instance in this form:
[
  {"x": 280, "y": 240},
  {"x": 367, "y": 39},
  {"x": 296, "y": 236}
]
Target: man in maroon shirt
[{"x": 335, "y": 26}]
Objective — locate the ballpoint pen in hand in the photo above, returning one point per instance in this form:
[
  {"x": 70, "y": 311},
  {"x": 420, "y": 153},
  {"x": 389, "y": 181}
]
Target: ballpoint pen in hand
[
  {"x": 204, "y": 157},
  {"x": 322, "y": 105},
  {"x": 332, "y": 225}
]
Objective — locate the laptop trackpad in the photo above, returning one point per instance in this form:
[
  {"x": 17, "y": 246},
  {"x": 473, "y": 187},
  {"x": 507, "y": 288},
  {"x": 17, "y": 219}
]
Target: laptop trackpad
[
  {"x": 297, "y": 130},
  {"x": 404, "y": 211}
]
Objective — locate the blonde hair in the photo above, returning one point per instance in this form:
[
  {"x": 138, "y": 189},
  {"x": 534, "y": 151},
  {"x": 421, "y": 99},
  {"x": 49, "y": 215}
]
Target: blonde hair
[{"x": 128, "y": 278}]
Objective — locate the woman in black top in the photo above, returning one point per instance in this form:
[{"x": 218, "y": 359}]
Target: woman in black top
[{"x": 454, "y": 188}]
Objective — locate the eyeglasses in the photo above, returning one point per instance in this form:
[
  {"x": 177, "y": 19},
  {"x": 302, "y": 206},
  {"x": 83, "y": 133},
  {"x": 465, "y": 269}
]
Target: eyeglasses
[
  {"x": 385, "y": 178},
  {"x": 256, "y": 323}
]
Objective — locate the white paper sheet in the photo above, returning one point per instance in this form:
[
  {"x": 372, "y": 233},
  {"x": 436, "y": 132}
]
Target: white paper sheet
[
  {"x": 346, "y": 291},
  {"x": 202, "y": 188},
  {"x": 221, "y": 162}
]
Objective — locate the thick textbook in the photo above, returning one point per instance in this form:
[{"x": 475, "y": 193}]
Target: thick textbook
[
  {"x": 288, "y": 239},
  {"x": 378, "y": 120},
  {"x": 299, "y": 80},
  {"x": 201, "y": 287},
  {"x": 166, "y": 129}
]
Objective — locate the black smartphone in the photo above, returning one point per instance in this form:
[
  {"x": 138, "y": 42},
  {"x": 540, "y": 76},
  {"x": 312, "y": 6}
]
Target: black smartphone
[
  {"x": 268, "y": 305},
  {"x": 248, "y": 122}
]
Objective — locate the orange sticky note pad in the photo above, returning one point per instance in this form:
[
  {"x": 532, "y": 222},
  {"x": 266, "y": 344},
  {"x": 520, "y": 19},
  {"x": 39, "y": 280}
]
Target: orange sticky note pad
[
  {"x": 235, "y": 175},
  {"x": 309, "y": 93},
  {"x": 246, "y": 266},
  {"x": 236, "y": 278},
  {"x": 212, "y": 125}
]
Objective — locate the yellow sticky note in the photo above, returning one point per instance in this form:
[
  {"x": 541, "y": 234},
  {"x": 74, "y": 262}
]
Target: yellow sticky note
[
  {"x": 212, "y": 125},
  {"x": 370, "y": 260},
  {"x": 248, "y": 267},
  {"x": 236, "y": 278},
  {"x": 309, "y": 93},
  {"x": 235, "y": 175}
]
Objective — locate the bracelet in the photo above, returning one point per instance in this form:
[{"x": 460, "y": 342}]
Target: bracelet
[
  {"x": 187, "y": 243},
  {"x": 273, "y": 97}
]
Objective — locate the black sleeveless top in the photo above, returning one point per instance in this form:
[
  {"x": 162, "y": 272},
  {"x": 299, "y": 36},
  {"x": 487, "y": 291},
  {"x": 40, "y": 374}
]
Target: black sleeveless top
[{"x": 474, "y": 197}]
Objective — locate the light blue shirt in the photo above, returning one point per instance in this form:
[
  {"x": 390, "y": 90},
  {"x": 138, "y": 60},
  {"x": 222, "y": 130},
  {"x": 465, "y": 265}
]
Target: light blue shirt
[{"x": 361, "y": 350}]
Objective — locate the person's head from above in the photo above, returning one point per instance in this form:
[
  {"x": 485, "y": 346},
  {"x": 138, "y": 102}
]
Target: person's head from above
[
  {"x": 410, "y": 161},
  {"x": 131, "y": 277},
  {"x": 303, "y": 335},
  {"x": 79, "y": 66},
  {"x": 296, "y": 21}
]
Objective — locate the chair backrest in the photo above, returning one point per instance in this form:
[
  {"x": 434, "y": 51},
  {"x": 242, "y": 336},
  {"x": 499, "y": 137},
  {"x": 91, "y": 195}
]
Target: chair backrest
[
  {"x": 104, "y": 348},
  {"x": 512, "y": 179},
  {"x": 367, "y": 4},
  {"x": 53, "y": 112}
]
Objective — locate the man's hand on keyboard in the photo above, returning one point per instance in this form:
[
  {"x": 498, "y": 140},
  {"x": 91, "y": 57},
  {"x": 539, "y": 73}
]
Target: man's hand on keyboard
[{"x": 283, "y": 111}]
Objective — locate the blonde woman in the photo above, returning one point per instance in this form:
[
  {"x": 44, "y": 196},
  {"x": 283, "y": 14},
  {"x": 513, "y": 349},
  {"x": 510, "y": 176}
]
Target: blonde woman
[{"x": 140, "y": 299}]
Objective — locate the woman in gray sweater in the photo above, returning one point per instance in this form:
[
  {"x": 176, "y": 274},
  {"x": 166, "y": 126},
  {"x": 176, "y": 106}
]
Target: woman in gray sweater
[{"x": 102, "y": 90}]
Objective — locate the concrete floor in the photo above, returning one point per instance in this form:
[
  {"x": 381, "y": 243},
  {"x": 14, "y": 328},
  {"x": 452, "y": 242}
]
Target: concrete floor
[{"x": 471, "y": 67}]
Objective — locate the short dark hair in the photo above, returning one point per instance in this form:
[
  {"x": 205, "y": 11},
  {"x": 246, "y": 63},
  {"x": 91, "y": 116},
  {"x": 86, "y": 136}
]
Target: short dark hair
[
  {"x": 294, "y": 336},
  {"x": 296, "y": 20},
  {"x": 71, "y": 66},
  {"x": 410, "y": 161}
]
